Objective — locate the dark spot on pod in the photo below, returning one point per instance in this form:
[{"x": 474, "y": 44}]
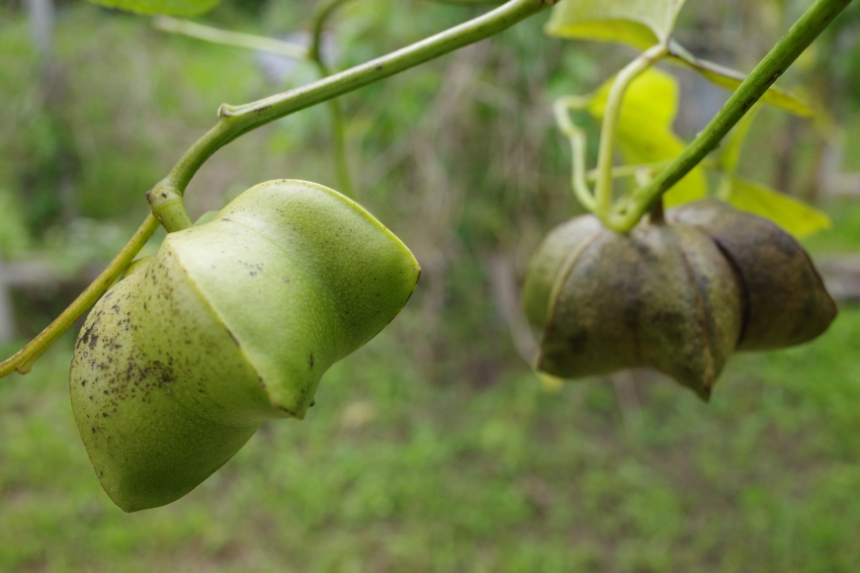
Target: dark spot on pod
[
  {"x": 85, "y": 338},
  {"x": 233, "y": 336},
  {"x": 94, "y": 429},
  {"x": 311, "y": 361}
]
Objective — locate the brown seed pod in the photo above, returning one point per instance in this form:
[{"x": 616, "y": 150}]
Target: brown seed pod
[
  {"x": 783, "y": 297},
  {"x": 662, "y": 297}
]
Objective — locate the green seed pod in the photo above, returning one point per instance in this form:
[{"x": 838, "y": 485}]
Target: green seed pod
[
  {"x": 784, "y": 299},
  {"x": 661, "y": 297},
  {"x": 231, "y": 323}
]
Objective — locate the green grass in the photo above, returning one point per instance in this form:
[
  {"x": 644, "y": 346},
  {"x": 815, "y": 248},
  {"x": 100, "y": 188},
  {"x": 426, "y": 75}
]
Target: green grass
[
  {"x": 390, "y": 473},
  {"x": 427, "y": 450}
]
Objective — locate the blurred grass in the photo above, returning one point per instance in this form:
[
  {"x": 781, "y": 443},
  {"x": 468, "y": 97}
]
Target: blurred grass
[
  {"x": 389, "y": 473},
  {"x": 434, "y": 448}
]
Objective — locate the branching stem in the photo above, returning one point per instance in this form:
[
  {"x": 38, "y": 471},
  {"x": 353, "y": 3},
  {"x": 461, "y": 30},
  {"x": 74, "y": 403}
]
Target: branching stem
[
  {"x": 238, "y": 120},
  {"x": 24, "y": 359},
  {"x": 805, "y": 30},
  {"x": 228, "y": 38},
  {"x": 235, "y": 121},
  {"x": 338, "y": 130},
  {"x": 609, "y": 129},
  {"x": 576, "y": 136}
]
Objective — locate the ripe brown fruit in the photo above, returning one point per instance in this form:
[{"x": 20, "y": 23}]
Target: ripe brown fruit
[{"x": 678, "y": 296}]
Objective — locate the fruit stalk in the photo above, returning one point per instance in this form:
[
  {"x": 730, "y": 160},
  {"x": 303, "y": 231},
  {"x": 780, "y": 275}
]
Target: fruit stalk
[
  {"x": 238, "y": 120},
  {"x": 341, "y": 161},
  {"x": 603, "y": 190},
  {"x": 798, "y": 38},
  {"x": 24, "y": 359},
  {"x": 235, "y": 121}
]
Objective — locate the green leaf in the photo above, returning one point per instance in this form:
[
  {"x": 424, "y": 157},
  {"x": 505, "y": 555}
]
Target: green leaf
[
  {"x": 794, "y": 216},
  {"x": 645, "y": 129},
  {"x": 638, "y": 23},
  {"x": 730, "y": 79},
  {"x": 168, "y": 7},
  {"x": 644, "y": 23}
]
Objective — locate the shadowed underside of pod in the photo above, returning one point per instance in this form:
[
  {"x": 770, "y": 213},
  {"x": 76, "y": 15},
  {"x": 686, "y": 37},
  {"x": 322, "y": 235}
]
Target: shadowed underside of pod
[{"x": 784, "y": 299}]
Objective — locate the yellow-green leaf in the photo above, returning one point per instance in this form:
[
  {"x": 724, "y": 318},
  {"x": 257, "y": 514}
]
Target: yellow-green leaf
[
  {"x": 730, "y": 79},
  {"x": 793, "y": 215},
  {"x": 645, "y": 129},
  {"x": 638, "y": 23},
  {"x": 153, "y": 7}
]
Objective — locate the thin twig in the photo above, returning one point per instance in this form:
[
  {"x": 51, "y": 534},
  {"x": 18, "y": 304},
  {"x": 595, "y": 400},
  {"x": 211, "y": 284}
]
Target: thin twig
[{"x": 228, "y": 38}]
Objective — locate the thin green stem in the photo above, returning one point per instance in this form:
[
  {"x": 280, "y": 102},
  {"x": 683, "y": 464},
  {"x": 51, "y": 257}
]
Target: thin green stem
[
  {"x": 260, "y": 43},
  {"x": 238, "y": 120},
  {"x": 576, "y": 136},
  {"x": 320, "y": 19},
  {"x": 341, "y": 160},
  {"x": 798, "y": 38},
  {"x": 609, "y": 129},
  {"x": 228, "y": 38},
  {"x": 23, "y": 360},
  {"x": 338, "y": 142},
  {"x": 235, "y": 121}
]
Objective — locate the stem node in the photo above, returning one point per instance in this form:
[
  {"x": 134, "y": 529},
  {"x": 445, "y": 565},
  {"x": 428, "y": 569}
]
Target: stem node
[{"x": 168, "y": 206}]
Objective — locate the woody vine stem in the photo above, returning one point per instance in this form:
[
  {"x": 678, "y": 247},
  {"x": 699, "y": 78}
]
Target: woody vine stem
[{"x": 166, "y": 197}]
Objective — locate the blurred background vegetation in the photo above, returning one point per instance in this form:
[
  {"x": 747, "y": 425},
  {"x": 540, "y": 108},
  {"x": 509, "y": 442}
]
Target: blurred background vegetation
[{"x": 434, "y": 448}]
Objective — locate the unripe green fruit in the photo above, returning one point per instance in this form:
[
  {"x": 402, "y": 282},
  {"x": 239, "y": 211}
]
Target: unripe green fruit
[
  {"x": 231, "y": 323},
  {"x": 661, "y": 297},
  {"x": 785, "y": 302}
]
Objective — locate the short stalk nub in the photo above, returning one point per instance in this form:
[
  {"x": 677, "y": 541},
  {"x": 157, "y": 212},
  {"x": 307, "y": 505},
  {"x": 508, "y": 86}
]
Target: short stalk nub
[
  {"x": 657, "y": 215},
  {"x": 168, "y": 207}
]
